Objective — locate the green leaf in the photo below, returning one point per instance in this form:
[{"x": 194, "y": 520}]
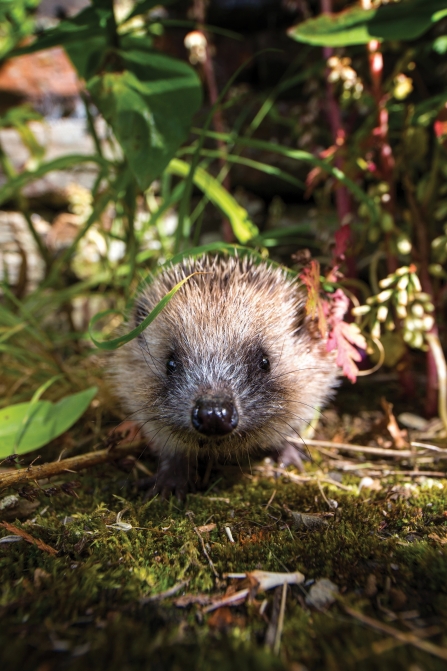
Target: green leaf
[
  {"x": 242, "y": 226},
  {"x": 28, "y": 426},
  {"x": 145, "y": 6},
  {"x": 149, "y": 105},
  {"x": 85, "y": 37},
  {"x": 16, "y": 22},
  {"x": 424, "y": 113},
  {"x": 63, "y": 163},
  {"x": 122, "y": 340},
  {"x": 298, "y": 155},
  {"x": 404, "y": 20},
  {"x": 216, "y": 247}
]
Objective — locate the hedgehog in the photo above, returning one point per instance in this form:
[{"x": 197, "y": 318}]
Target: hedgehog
[{"x": 230, "y": 367}]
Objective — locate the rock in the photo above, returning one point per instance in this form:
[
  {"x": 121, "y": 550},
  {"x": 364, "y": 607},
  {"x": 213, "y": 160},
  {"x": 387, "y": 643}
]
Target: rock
[{"x": 322, "y": 594}]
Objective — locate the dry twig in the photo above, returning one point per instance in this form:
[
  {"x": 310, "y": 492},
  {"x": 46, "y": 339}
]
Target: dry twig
[
  {"x": 32, "y": 473},
  {"x": 28, "y": 538},
  {"x": 166, "y": 594},
  {"x": 210, "y": 561},
  {"x": 379, "y": 451},
  {"x": 404, "y": 637}
]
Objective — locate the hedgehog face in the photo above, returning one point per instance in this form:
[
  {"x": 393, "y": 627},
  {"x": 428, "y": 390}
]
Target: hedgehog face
[
  {"x": 228, "y": 366},
  {"x": 214, "y": 398},
  {"x": 208, "y": 396}
]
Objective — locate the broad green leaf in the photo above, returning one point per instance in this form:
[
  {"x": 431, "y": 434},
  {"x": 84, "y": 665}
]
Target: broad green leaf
[
  {"x": 242, "y": 226},
  {"x": 149, "y": 105},
  {"x": 405, "y": 20},
  {"x": 16, "y": 22},
  {"x": 28, "y": 426},
  {"x": 89, "y": 38}
]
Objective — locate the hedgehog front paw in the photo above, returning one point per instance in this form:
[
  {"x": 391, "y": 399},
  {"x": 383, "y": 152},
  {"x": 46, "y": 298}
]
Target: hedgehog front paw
[
  {"x": 289, "y": 455},
  {"x": 172, "y": 477}
]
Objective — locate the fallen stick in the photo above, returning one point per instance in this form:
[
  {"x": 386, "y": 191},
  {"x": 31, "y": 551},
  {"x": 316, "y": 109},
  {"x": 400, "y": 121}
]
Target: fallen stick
[
  {"x": 402, "y": 636},
  {"x": 172, "y": 591},
  {"x": 70, "y": 465},
  {"x": 379, "y": 451},
  {"x": 28, "y": 538}
]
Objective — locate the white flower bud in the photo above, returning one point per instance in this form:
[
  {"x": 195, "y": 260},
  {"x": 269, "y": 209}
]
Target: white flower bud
[
  {"x": 375, "y": 331},
  {"x": 417, "y": 310},
  {"x": 360, "y": 310},
  {"x": 422, "y": 297},
  {"x": 428, "y": 322},
  {"x": 402, "y": 298},
  {"x": 401, "y": 311},
  {"x": 409, "y": 324},
  {"x": 387, "y": 281},
  {"x": 384, "y": 295},
  {"x": 418, "y": 324},
  {"x": 382, "y": 313},
  {"x": 416, "y": 282},
  {"x": 417, "y": 340},
  {"x": 403, "y": 282}
]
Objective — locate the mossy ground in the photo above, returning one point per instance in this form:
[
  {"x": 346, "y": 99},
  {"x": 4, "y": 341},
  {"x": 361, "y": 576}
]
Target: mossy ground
[{"x": 82, "y": 608}]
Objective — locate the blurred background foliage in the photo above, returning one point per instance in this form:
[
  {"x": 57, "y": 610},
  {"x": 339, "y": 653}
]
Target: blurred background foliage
[{"x": 134, "y": 131}]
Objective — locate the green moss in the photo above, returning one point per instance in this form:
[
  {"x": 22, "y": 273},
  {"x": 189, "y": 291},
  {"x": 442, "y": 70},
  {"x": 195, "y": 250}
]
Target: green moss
[{"x": 82, "y": 608}]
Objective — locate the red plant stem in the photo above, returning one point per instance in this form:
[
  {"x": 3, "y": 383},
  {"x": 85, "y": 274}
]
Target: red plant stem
[
  {"x": 386, "y": 158},
  {"x": 423, "y": 256},
  {"x": 342, "y": 196}
]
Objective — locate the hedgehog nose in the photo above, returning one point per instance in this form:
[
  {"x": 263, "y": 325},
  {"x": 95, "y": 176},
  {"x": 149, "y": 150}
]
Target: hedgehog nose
[{"x": 214, "y": 416}]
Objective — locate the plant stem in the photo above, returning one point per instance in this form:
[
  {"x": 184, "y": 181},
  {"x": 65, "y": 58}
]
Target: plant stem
[
  {"x": 422, "y": 252},
  {"x": 213, "y": 92},
  {"x": 342, "y": 197},
  {"x": 441, "y": 374}
]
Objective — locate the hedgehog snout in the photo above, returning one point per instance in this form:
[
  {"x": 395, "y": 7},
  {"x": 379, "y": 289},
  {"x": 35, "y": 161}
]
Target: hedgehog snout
[{"x": 214, "y": 416}]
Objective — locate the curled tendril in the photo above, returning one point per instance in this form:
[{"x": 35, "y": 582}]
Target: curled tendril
[{"x": 379, "y": 364}]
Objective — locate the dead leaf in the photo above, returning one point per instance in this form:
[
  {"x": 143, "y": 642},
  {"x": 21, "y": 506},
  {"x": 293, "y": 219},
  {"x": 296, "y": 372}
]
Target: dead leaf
[
  {"x": 399, "y": 436},
  {"x": 268, "y": 579},
  {"x": 233, "y": 600},
  {"x": 40, "y": 577},
  {"x": 207, "y": 527},
  {"x": 223, "y": 618},
  {"x": 439, "y": 539},
  {"x": 190, "y": 599}
]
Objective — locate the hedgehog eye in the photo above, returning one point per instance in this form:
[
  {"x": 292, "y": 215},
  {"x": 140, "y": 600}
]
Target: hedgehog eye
[
  {"x": 171, "y": 366},
  {"x": 265, "y": 364}
]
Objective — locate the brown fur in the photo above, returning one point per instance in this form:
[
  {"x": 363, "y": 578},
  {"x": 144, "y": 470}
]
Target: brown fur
[{"x": 218, "y": 327}]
